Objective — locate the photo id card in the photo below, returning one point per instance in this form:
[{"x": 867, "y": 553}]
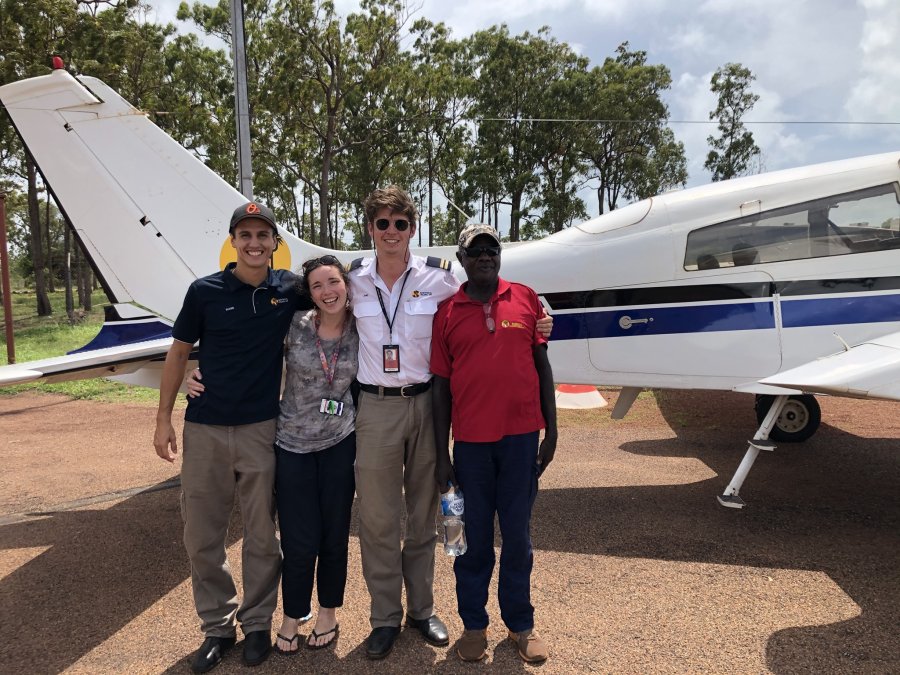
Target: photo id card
[
  {"x": 391, "y": 358},
  {"x": 331, "y": 407}
]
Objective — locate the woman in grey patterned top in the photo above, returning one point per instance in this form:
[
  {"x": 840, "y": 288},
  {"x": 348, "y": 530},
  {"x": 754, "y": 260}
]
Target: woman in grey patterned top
[{"x": 315, "y": 449}]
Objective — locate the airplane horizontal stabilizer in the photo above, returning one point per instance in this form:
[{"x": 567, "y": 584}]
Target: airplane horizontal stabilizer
[
  {"x": 83, "y": 365},
  {"x": 867, "y": 370}
]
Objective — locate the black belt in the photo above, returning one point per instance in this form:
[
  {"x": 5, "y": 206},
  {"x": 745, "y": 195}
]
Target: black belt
[{"x": 406, "y": 391}]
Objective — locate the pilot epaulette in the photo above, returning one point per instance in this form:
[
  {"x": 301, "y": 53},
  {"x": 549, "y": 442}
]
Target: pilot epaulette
[
  {"x": 432, "y": 261},
  {"x": 354, "y": 265}
]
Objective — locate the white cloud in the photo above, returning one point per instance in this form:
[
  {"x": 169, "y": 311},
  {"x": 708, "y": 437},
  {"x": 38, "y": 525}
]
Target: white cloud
[
  {"x": 825, "y": 60},
  {"x": 875, "y": 96},
  {"x": 618, "y": 9},
  {"x": 690, "y": 101}
]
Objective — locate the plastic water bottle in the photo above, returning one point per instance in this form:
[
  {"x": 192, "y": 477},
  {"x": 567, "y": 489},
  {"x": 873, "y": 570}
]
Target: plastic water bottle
[{"x": 452, "y": 511}]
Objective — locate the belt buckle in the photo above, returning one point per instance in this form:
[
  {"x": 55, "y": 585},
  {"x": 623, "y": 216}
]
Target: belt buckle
[{"x": 403, "y": 390}]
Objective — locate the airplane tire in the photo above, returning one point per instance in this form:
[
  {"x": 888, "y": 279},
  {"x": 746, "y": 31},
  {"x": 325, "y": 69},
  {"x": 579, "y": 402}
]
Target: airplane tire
[{"x": 799, "y": 419}]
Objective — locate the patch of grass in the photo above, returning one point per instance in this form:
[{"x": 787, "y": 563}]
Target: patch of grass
[{"x": 42, "y": 337}]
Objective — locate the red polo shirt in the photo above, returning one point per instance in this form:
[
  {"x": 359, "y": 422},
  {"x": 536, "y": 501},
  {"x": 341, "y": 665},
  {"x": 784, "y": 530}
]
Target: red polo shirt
[{"x": 493, "y": 380}]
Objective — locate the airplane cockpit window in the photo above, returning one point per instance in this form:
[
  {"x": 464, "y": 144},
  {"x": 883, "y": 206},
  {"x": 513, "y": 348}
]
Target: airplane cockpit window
[{"x": 854, "y": 222}]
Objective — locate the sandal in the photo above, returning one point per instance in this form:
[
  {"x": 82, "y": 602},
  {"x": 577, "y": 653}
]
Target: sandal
[
  {"x": 315, "y": 636},
  {"x": 290, "y": 641}
]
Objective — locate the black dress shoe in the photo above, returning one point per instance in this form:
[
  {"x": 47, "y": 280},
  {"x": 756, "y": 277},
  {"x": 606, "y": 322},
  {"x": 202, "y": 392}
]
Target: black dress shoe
[
  {"x": 257, "y": 646},
  {"x": 381, "y": 641},
  {"x": 210, "y": 653},
  {"x": 432, "y": 629}
]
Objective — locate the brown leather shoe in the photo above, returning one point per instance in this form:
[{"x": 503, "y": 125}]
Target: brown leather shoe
[
  {"x": 531, "y": 646},
  {"x": 472, "y": 646}
]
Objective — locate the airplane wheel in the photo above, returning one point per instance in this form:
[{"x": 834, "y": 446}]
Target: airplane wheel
[{"x": 799, "y": 419}]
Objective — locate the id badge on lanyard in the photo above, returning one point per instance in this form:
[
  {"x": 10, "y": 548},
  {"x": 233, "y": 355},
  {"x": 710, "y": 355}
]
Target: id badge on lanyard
[
  {"x": 390, "y": 358},
  {"x": 390, "y": 353}
]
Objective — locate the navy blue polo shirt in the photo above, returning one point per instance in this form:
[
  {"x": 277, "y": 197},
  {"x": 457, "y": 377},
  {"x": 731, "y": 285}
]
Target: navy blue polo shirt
[{"x": 241, "y": 329}]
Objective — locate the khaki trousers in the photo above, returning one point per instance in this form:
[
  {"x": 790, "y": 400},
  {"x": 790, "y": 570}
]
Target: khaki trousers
[
  {"x": 395, "y": 457},
  {"x": 218, "y": 460}
]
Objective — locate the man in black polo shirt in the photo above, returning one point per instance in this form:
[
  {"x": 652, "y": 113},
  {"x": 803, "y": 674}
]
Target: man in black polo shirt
[{"x": 240, "y": 316}]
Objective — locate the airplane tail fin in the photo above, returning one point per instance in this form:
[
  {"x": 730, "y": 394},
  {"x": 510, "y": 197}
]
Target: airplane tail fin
[{"x": 151, "y": 216}]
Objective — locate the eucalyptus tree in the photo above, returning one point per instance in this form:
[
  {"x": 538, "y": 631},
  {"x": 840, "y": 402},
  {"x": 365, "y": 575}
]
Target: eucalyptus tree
[
  {"x": 631, "y": 151},
  {"x": 323, "y": 67},
  {"x": 559, "y": 142},
  {"x": 442, "y": 81},
  {"x": 513, "y": 77},
  {"x": 734, "y": 149}
]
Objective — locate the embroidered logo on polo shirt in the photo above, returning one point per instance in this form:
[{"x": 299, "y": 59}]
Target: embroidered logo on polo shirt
[
  {"x": 512, "y": 324},
  {"x": 278, "y": 301},
  {"x": 421, "y": 294}
]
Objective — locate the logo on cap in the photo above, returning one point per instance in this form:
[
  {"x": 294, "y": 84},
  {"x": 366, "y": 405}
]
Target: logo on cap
[{"x": 252, "y": 208}]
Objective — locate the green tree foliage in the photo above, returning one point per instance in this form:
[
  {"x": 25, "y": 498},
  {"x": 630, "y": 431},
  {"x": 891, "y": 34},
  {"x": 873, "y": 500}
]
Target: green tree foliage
[
  {"x": 631, "y": 151},
  {"x": 513, "y": 77},
  {"x": 733, "y": 151},
  {"x": 493, "y": 124}
]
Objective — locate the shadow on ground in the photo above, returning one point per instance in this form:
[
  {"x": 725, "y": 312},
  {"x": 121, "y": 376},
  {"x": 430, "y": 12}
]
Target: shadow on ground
[
  {"x": 102, "y": 569},
  {"x": 829, "y": 504}
]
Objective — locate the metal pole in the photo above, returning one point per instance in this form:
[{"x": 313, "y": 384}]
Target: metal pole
[
  {"x": 241, "y": 102},
  {"x": 7, "y": 297}
]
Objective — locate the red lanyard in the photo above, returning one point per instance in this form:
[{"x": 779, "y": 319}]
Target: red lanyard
[{"x": 329, "y": 372}]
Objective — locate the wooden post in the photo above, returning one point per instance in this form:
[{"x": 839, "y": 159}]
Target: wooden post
[{"x": 7, "y": 293}]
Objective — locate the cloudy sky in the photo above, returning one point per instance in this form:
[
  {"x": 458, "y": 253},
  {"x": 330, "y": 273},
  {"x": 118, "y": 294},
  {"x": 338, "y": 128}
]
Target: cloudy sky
[{"x": 826, "y": 70}]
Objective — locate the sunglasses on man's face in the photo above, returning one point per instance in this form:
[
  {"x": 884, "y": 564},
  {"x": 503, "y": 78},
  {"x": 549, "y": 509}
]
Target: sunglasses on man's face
[
  {"x": 477, "y": 251},
  {"x": 383, "y": 224}
]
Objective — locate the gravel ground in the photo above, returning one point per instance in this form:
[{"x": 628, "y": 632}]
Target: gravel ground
[{"x": 637, "y": 569}]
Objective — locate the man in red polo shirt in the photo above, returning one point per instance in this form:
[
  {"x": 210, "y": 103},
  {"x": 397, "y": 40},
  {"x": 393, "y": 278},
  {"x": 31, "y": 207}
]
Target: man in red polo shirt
[{"x": 492, "y": 379}]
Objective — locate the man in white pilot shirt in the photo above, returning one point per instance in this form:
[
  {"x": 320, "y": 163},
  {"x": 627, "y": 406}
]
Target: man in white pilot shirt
[{"x": 395, "y": 296}]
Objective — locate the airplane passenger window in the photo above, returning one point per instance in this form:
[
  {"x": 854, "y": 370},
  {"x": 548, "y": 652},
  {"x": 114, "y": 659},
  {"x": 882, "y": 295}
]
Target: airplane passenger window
[{"x": 854, "y": 222}]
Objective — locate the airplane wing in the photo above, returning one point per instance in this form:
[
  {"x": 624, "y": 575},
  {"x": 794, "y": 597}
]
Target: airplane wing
[
  {"x": 128, "y": 341},
  {"x": 867, "y": 370}
]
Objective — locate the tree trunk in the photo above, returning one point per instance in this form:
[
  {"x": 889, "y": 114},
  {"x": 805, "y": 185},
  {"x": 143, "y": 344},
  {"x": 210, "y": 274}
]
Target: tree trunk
[
  {"x": 515, "y": 215},
  {"x": 312, "y": 217},
  {"x": 77, "y": 275},
  {"x": 37, "y": 244},
  {"x": 51, "y": 285},
  {"x": 323, "y": 183},
  {"x": 67, "y": 273},
  {"x": 86, "y": 280},
  {"x": 430, "y": 205},
  {"x": 298, "y": 213}
]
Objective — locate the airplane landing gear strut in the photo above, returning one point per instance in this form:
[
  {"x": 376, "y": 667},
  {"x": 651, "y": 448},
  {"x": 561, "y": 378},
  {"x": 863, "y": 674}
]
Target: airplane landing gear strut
[{"x": 760, "y": 441}]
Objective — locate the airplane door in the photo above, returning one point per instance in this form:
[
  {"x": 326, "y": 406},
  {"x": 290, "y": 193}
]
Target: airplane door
[{"x": 719, "y": 325}]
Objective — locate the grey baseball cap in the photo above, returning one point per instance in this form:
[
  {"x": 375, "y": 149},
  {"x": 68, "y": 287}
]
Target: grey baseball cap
[{"x": 471, "y": 231}]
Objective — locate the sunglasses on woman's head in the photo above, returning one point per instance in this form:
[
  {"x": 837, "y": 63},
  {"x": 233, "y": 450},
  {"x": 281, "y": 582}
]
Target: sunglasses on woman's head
[
  {"x": 383, "y": 224},
  {"x": 312, "y": 264}
]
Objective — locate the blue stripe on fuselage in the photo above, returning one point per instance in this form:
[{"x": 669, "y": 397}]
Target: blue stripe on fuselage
[
  {"x": 827, "y": 311},
  {"x": 707, "y": 318},
  {"x": 664, "y": 320}
]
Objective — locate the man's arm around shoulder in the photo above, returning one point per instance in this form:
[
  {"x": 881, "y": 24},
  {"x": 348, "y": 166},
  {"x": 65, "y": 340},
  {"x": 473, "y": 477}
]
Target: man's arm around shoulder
[{"x": 164, "y": 439}]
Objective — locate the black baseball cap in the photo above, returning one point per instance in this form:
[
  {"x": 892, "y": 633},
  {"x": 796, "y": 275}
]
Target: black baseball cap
[{"x": 252, "y": 210}]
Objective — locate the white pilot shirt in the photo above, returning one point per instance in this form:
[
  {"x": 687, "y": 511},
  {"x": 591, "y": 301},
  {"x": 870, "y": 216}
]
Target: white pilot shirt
[{"x": 425, "y": 288}]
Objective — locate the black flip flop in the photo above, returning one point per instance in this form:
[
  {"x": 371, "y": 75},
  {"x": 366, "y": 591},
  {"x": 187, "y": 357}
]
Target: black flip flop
[
  {"x": 290, "y": 641},
  {"x": 313, "y": 635}
]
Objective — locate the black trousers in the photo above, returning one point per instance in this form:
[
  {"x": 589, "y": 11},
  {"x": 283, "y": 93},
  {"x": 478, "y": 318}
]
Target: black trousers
[{"x": 314, "y": 494}]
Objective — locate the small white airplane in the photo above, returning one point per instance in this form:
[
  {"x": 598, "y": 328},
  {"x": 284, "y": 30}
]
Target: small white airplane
[{"x": 781, "y": 285}]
